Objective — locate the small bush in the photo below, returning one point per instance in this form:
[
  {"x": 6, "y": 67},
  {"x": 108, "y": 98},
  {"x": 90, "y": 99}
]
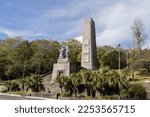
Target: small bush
[
  {"x": 12, "y": 85},
  {"x": 19, "y": 93},
  {"x": 123, "y": 94},
  {"x": 65, "y": 94},
  {"x": 110, "y": 97},
  {"x": 4, "y": 91},
  {"x": 137, "y": 91},
  {"x": 87, "y": 98}
]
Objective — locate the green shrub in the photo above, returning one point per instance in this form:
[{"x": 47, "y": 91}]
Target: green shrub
[
  {"x": 142, "y": 65},
  {"x": 19, "y": 93},
  {"x": 88, "y": 98},
  {"x": 110, "y": 97},
  {"x": 65, "y": 94},
  {"x": 12, "y": 85},
  {"x": 123, "y": 94},
  {"x": 4, "y": 91},
  {"x": 137, "y": 91}
]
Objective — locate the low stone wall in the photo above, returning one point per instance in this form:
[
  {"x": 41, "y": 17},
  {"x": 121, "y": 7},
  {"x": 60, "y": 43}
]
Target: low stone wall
[{"x": 44, "y": 95}]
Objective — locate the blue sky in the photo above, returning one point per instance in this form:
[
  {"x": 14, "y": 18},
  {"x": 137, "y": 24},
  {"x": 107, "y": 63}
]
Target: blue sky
[{"x": 63, "y": 19}]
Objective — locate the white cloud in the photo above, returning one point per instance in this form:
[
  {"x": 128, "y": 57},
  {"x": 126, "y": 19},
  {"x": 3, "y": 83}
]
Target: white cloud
[
  {"x": 79, "y": 38},
  {"x": 117, "y": 19},
  {"x": 113, "y": 21},
  {"x": 111, "y": 37},
  {"x": 23, "y": 33},
  {"x": 6, "y": 32}
]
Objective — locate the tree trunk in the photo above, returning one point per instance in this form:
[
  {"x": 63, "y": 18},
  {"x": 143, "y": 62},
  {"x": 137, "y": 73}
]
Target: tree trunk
[{"x": 24, "y": 68}]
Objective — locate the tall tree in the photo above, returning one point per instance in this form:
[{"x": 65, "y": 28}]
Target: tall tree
[
  {"x": 111, "y": 59},
  {"x": 45, "y": 53},
  {"x": 8, "y": 56},
  {"x": 138, "y": 33},
  {"x": 23, "y": 55}
]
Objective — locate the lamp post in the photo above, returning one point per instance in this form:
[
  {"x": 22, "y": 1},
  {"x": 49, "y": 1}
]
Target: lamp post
[{"x": 119, "y": 58}]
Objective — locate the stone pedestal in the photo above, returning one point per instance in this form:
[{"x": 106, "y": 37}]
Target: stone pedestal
[{"x": 62, "y": 67}]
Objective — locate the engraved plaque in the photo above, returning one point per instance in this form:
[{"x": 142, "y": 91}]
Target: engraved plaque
[
  {"x": 61, "y": 66},
  {"x": 86, "y": 58},
  {"x": 86, "y": 49},
  {"x": 86, "y": 42}
]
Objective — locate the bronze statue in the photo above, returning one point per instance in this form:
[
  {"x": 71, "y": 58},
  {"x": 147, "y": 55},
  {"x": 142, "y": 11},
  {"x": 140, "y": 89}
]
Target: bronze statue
[{"x": 64, "y": 52}]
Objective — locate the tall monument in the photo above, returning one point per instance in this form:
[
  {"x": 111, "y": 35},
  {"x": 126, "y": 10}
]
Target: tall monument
[{"x": 89, "y": 55}]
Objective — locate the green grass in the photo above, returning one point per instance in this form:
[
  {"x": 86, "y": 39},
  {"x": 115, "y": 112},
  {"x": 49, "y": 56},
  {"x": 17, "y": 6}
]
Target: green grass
[
  {"x": 1, "y": 82},
  {"x": 18, "y": 93},
  {"x": 140, "y": 77}
]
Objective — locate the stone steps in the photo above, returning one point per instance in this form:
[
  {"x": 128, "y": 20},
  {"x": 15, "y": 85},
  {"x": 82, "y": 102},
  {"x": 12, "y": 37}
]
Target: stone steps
[
  {"x": 46, "y": 80},
  {"x": 53, "y": 88}
]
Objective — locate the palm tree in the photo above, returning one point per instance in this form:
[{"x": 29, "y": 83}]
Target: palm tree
[
  {"x": 8, "y": 85},
  {"x": 69, "y": 86},
  {"x": 28, "y": 83},
  {"x": 61, "y": 80},
  {"x": 12, "y": 85},
  {"x": 76, "y": 81},
  {"x": 104, "y": 80},
  {"x": 22, "y": 81},
  {"x": 108, "y": 81},
  {"x": 87, "y": 79},
  {"x": 94, "y": 83},
  {"x": 34, "y": 83},
  {"x": 114, "y": 81},
  {"x": 38, "y": 86}
]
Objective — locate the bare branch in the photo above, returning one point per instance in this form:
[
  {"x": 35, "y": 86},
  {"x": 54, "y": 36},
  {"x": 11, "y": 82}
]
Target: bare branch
[{"x": 138, "y": 32}]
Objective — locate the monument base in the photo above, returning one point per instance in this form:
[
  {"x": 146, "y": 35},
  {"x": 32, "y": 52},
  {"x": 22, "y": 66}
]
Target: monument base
[{"x": 62, "y": 67}]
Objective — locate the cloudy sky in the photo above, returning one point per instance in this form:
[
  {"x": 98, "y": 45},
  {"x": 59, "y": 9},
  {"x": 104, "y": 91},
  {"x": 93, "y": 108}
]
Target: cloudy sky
[{"x": 63, "y": 19}]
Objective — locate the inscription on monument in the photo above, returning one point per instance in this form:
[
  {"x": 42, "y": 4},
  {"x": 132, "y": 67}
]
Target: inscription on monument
[
  {"x": 86, "y": 49},
  {"x": 86, "y": 42},
  {"x": 86, "y": 58}
]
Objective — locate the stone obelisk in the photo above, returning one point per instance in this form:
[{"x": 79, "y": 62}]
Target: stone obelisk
[{"x": 89, "y": 55}]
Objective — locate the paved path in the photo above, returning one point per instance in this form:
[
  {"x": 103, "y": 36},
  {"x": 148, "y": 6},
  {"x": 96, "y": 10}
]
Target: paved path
[{"x": 19, "y": 97}]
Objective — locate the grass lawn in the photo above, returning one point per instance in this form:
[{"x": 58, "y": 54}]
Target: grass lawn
[
  {"x": 19, "y": 93},
  {"x": 139, "y": 77}
]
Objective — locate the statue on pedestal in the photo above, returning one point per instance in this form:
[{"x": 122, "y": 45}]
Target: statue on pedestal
[
  {"x": 61, "y": 54},
  {"x": 64, "y": 52},
  {"x": 67, "y": 51}
]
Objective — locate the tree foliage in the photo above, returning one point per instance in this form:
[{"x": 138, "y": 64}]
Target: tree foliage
[
  {"x": 111, "y": 59},
  {"x": 21, "y": 58},
  {"x": 136, "y": 91},
  {"x": 106, "y": 81},
  {"x": 75, "y": 50}
]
